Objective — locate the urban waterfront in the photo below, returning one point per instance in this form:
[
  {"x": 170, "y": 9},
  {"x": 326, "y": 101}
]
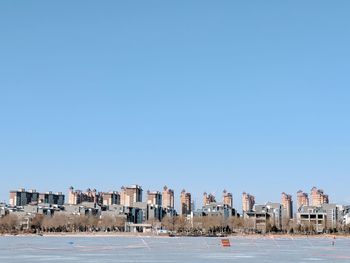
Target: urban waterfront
[
  {"x": 32, "y": 212},
  {"x": 177, "y": 249}
]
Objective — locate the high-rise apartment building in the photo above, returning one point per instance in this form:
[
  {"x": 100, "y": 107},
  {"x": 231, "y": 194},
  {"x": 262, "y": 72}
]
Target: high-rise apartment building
[
  {"x": 77, "y": 196},
  {"x": 111, "y": 198},
  {"x": 302, "y": 199},
  {"x": 248, "y": 202},
  {"x": 23, "y": 197},
  {"x": 154, "y": 198},
  {"x": 185, "y": 199},
  {"x": 287, "y": 206},
  {"x": 168, "y": 198},
  {"x": 208, "y": 198},
  {"x": 51, "y": 198},
  {"x": 130, "y": 194},
  {"x": 318, "y": 197},
  {"x": 227, "y": 198}
]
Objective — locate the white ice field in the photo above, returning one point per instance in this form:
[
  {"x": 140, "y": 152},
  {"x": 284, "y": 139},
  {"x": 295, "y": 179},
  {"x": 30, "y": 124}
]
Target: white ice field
[{"x": 164, "y": 249}]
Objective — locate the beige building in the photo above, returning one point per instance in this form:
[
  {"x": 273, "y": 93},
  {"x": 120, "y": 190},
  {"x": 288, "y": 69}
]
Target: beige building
[
  {"x": 318, "y": 197},
  {"x": 168, "y": 198},
  {"x": 130, "y": 194},
  {"x": 248, "y": 202},
  {"x": 154, "y": 198},
  {"x": 185, "y": 199},
  {"x": 227, "y": 198},
  {"x": 287, "y": 206},
  {"x": 111, "y": 198},
  {"x": 208, "y": 198},
  {"x": 76, "y": 197},
  {"x": 302, "y": 199}
]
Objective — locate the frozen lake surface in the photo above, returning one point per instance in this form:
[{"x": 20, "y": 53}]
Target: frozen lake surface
[{"x": 162, "y": 249}]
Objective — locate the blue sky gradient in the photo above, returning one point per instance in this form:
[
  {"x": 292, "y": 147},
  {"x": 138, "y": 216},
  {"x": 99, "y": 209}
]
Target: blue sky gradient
[{"x": 202, "y": 95}]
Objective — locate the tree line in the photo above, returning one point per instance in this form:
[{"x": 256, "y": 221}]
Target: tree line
[{"x": 198, "y": 226}]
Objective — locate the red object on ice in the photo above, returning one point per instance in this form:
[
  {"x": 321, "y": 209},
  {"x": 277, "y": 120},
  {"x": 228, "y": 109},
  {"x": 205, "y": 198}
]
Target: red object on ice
[{"x": 225, "y": 243}]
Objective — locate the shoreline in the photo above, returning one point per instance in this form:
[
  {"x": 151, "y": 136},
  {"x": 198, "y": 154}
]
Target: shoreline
[{"x": 255, "y": 236}]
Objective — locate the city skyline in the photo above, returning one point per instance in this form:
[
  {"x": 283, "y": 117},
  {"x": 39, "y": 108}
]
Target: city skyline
[
  {"x": 168, "y": 198},
  {"x": 195, "y": 95},
  {"x": 129, "y": 211}
]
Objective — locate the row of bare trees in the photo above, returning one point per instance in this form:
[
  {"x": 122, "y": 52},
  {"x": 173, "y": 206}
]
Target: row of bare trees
[
  {"x": 61, "y": 223},
  {"x": 204, "y": 225},
  {"x": 212, "y": 225}
]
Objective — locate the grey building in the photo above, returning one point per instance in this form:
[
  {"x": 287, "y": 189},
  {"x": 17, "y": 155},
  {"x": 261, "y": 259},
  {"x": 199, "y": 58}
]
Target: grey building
[
  {"x": 217, "y": 209},
  {"x": 312, "y": 218},
  {"x": 264, "y": 217}
]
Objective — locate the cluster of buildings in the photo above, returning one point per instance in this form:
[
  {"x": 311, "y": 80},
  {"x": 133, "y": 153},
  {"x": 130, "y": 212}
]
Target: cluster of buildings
[
  {"x": 312, "y": 211},
  {"x": 128, "y": 203},
  {"x": 23, "y": 197}
]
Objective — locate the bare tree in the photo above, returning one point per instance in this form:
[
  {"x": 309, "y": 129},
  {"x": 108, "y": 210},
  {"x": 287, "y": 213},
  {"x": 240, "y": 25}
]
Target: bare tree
[
  {"x": 249, "y": 224},
  {"x": 107, "y": 223},
  {"x": 181, "y": 224},
  {"x": 9, "y": 224},
  {"x": 197, "y": 225},
  {"x": 154, "y": 222},
  {"x": 56, "y": 223},
  {"x": 36, "y": 223},
  {"x": 83, "y": 223},
  {"x": 169, "y": 222},
  {"x": 211, "y": 224},
  {"x": 120, "y": 223},
  {"x": 236, "y": 223}
]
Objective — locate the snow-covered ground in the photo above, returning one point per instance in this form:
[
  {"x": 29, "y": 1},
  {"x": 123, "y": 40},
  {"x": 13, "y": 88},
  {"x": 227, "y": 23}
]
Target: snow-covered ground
[{"x": 161, "y": 249}]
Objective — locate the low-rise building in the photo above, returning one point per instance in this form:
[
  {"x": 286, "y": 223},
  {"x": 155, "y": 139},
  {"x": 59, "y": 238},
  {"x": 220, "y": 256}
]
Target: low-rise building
[
  {"x": 333, "y": 215},
  {"x": 84, "y": 208},
  {"x": 312, "y": 218},
  {"x": 169, "y": 212},
  {"x": 346, "y": 215},
  {"x": 217, "y": 209},
  {"x": 265, "y": 217},
  {"x": 3, "y": 210},
  {"x": 148, "y": 212}
]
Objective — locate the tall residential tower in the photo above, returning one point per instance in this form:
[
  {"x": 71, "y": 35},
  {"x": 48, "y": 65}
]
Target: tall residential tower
[
  {"x": 287, "y": 206},
  {"x": 227, "y": 198},
  {"x": 130, "y": 194},
  {"x": 248, "y": 202},
  {"x": 185, "y": 199},
  {"x": 168, "y": 198},
  {"x": 302, "y": 199}
]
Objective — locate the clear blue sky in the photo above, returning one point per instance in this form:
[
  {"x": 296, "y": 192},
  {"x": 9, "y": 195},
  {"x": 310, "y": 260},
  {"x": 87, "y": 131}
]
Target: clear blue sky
[{"x": 201, "y": 95}]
